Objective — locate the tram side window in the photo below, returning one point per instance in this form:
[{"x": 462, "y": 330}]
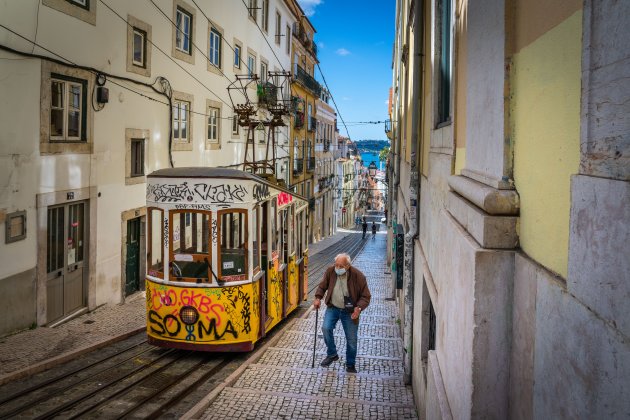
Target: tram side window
[
  {"x": 255, "y": 242},
  {"x": 298, "y": 250},
  {"x": 155, "y": 255},
  {"x": 263, "y": 235},
  {"x": 233, "y": 237},
  {"x": 274, "y": 228},
  {"x": 190, "y": 244}
]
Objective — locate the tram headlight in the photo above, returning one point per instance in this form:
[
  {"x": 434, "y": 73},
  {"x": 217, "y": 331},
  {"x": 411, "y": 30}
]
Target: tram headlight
[{"x": 188, "y": 315}]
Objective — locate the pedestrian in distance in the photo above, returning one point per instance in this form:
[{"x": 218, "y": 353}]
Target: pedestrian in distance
[
  {"x": 364, "y": 228},
  {"x": 373, "y": 230},
  {"x": 347, "y": 295}
]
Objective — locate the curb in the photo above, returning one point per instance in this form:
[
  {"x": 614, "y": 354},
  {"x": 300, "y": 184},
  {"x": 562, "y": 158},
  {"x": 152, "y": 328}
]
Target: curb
[
  {"x": 57, "y": 360},
  {"x": 201, "y": 406}
]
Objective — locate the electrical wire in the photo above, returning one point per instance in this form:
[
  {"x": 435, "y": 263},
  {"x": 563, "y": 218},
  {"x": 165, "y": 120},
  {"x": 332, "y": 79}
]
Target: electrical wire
[{"x": 333, "y": 99}]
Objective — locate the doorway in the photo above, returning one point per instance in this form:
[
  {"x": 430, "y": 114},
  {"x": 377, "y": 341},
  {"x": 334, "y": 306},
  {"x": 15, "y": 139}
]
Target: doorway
[
  {"x": 132, "y": 266},
  {"x": 66, "y": 267}
]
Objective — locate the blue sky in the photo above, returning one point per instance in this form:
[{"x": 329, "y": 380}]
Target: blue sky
[{"x": 355, "y": 40}]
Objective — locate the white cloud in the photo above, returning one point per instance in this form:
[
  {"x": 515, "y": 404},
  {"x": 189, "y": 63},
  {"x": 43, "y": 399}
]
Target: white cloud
[
  {"x": 309, "y": 6},
  {"x": 320, "y": 45},
  {"x": 387, "y": 102},
  {"x": 342, "y": 52},
  {"x": 345, "y": 98}
]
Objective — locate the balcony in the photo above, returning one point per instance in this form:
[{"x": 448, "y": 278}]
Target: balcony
[
  {"x": 267, "y": 94},
  {"x": 298, "y": 166},
  {"x": 307, "y": 81},
  {"x": 312, "y": 124},
  {"x": 326, "y": 145},
  {"x": 299, "y": 120}
]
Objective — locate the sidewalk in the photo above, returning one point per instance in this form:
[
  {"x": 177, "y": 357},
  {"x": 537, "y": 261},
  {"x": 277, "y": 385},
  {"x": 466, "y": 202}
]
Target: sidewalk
[
  {"x": 31, "y": 351},
  {"x": 279, "y": 381}
]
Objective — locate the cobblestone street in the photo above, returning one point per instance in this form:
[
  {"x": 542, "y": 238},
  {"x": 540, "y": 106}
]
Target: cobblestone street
[{"x": 282, "y": 383}]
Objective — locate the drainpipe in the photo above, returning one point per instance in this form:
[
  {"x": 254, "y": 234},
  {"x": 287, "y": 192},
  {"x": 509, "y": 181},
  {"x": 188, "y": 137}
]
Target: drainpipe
[{"x": 414, "y": 190}]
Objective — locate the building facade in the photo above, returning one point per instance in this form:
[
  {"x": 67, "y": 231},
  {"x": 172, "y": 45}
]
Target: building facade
[
  {"x": 325, "y": 137},
  {"x": 124, "y": 89},
  {"x": 509, "y": 204}
]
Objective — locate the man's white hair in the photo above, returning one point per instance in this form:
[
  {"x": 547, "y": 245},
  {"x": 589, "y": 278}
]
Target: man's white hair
[{"x": 344, "y": 255}]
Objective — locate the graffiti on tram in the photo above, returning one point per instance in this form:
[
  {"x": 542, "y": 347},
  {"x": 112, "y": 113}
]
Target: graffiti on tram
[
  {"x": 219, "y": 314},
  {"x": 218, "y": 194}
]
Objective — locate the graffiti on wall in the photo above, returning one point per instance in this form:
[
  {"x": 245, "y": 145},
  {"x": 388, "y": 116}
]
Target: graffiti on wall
[{"x": 182, "y": 192}]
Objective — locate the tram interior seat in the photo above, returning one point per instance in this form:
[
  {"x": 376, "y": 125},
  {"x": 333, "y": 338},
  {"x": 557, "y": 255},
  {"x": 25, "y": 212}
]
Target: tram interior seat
[{"x": 191, "y": 269}]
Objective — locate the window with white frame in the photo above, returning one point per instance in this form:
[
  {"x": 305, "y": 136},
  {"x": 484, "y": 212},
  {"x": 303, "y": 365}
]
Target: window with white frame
[
  {"x": 181, "y": 119},
  {"x": 235, "y": 126},
  {"x": 265, "y": 15},
  {"x": 215, "y": 48},
  {"x": 278, "y": 27},
  {"x": 288, "y": 39},
  {"x": 263, "y": 72},
  {"x": 183, "y": 36},
  {"x": 237, "y": 56},
  {"x": 253, "y": 9},
  {"x": 444, "y": 60},
  {"x": 67, "y": 109},
  {"x": 251, "y": 64},
  {"x": 214, "y": 115},
  {"x": 139, "y": 48}
]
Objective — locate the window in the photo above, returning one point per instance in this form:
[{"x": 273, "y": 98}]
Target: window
[
  {"x": 278, "y": 27},
  {"x": 137, "y": 157},
  {"x": 309, "y": 123},
  {"x": 255, "y": 239},
  {"x": 67, "y": 109},
  {"x": 237, "y": 56},
  {"x": 251, "y": 65},
  {"x": 190, "y": 245},
  {"x": 296, "y": 63},
  {"x": 263, "y": 72},
  {"x": 155, "y": 248},
  {"x": 215, "y": 48},
  {"x": 15, "y": 227},
  {"x": 444, "y": 62},
  {"x": 183, "y": 36},
  {"x": 181, "y": 116},
  {"x": 213, "y": 124},
  {"x": 253, "y": 9},
  {"x": 232, "y": 228},
  {"x": 235, "y": 126},
  {"x": 139, "y": 48},
  {"x": 81, "y": 3},
  {"x": 265, "y": 15},
  {"x": 288, "y": 39}
]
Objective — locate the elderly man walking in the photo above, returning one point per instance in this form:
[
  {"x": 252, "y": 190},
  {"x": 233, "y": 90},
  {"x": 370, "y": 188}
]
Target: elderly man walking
[{"x": 347, "y": 295}]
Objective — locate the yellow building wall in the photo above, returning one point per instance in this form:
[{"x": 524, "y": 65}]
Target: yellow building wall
[{"x": 545, "y": 108}]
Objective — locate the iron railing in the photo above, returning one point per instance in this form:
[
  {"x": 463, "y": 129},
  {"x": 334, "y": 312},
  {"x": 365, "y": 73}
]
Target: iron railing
[{"x": 308, "y": 81}]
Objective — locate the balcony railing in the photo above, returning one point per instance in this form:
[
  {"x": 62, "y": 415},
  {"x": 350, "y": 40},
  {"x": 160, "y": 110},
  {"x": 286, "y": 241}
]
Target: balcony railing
[
  {"x": 267, "y": 94},
  {"x": 299, "y": 120},
  {"x": 298, "y": 166},
  {"x": 308, "y": 81},
  {"x": 312, "y": 124}
]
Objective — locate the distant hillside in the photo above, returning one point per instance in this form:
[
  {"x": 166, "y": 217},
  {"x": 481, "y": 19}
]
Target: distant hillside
[{"x": 371, "y": 145}]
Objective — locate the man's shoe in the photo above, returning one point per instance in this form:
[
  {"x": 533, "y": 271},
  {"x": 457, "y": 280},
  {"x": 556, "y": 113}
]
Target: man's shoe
[
  {"x": 328, "y": 360},
  {"x": 351, "y": 369}
]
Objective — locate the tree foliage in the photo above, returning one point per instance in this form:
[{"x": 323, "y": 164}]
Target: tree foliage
[{"x": 382, "y": 156}]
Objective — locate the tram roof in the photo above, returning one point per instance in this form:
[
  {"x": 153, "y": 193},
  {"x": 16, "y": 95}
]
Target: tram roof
[{"x": 207, "y": 172}]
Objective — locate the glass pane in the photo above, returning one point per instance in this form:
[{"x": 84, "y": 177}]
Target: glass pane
[
  {"x": 184, "y": 111},
  {"x": 191, "y": 238},
  {"x": 274, "y": 231},
  {"x": 186, "y": 32},
  {"x": 75, "y": 96},
  {"x": 233, "y": 226},
  {"x": 255, "y": 241},
  {"x": 156, "y": 252},
  {"x": 184, "y": 135},
  {"x": 56, "y": 98},
  {"x": 56, "y": 122},
  {"x": 55, "y": 238},
  {"x": 74, "y": 123},
  {"x": 178, "y": 34},
  {"x": 138, "y": 46},
  {"x": 75, "y": 233}
]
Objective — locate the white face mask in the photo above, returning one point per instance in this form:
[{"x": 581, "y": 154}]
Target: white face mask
[{"x": 340, "y": 271}]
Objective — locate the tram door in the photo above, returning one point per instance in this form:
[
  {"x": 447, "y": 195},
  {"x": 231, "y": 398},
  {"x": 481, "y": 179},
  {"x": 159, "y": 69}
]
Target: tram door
[{"x": 66, "y": 251}]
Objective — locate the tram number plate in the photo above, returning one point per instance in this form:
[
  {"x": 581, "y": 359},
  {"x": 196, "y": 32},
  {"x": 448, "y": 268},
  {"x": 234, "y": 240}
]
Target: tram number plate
[{"x": 228, "y": 264}]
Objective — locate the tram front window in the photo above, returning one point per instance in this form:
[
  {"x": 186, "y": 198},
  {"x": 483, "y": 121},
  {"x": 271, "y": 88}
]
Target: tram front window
[
  {"x": 189, "y": 244},
  {"x": 233, "y": 241}
]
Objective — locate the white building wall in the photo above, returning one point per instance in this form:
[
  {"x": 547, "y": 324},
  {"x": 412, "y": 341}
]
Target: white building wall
[{"x": 26, "y": 173}]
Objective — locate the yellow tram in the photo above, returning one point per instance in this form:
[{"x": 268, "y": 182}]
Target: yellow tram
[{"x": 226, "y": 257}]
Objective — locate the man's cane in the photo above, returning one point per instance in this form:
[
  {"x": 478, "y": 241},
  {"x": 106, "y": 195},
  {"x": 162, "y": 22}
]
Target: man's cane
[{"x": 315, "y": 339}]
